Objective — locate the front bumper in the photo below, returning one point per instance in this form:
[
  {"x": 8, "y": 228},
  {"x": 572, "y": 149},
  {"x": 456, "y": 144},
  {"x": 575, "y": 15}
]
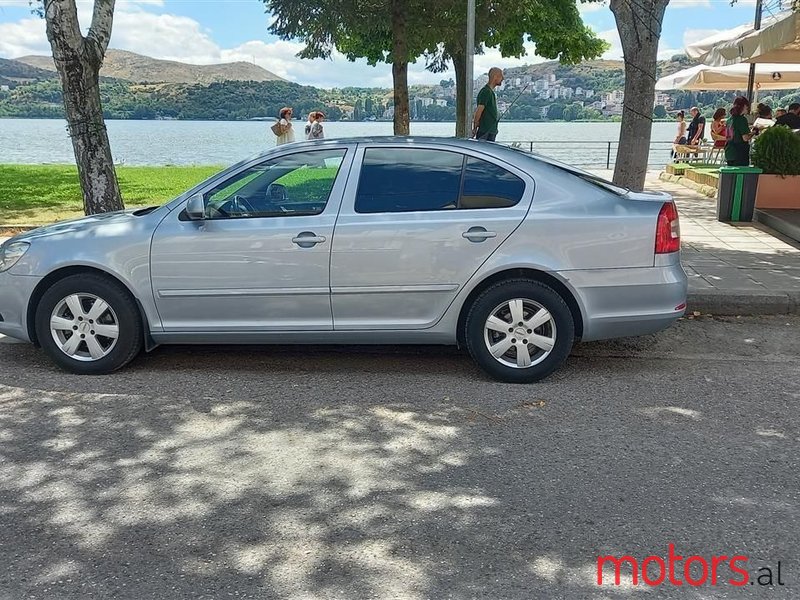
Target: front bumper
[{"x": 15, "y": 295}]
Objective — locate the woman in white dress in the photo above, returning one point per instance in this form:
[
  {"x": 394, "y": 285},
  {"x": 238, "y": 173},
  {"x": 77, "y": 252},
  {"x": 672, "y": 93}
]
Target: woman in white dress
[{"x": 285, "y": 132}]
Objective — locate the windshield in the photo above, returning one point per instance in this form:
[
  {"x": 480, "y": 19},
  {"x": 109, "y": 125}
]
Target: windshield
[{"x": 585, "y": 175}]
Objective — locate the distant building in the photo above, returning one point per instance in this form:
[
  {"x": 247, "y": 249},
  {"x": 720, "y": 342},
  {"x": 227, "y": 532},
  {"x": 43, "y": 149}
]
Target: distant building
[
  {"x": 544, "y": 110},
  {"x": 663, "y": 100},
  {"x": 4, "y": 88},
  {"x": 440, "y": 102},
  {"x": 615, "y": 97}
]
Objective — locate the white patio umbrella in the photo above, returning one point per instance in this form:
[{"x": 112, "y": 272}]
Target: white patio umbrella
[
  {"x": 777, "y": 41},
  {"x": 733, "y": 77}
]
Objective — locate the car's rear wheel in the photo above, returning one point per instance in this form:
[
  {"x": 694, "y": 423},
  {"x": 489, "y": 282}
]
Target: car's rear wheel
[
  {"x": 519, "y": 330},
  {"x": 89, "y": 324}
]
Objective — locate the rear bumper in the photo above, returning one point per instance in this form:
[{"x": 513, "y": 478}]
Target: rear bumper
[
  {"x": 15, "y": 293},
  {"x": 629, "y": 302}
]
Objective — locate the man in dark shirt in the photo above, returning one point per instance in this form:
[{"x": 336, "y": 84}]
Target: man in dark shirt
[
  {"x": 696, "y": 128},
  {"x": 792, "y": 118},
  {"x": 484, "y": 122}
]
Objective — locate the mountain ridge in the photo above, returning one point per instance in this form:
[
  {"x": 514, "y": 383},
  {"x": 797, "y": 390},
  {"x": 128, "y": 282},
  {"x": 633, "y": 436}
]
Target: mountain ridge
[{"x": 138, "y": 68}]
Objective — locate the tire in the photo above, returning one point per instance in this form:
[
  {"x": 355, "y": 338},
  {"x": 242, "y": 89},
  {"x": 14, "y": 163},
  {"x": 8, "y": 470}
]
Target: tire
[
  {"x": 501, "y": 302},
  {"x": 95, "y": 353}
]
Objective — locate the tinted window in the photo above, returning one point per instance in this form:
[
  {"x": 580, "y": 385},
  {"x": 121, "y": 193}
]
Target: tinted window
[
  {"x": 402, "y": 180},
  {"x": 488, "y": 186},
  {"x": 298, "y": 184}
]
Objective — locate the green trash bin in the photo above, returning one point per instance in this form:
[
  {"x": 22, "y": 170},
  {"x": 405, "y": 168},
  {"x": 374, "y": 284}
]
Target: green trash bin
[{"x": 736, "y": 196}]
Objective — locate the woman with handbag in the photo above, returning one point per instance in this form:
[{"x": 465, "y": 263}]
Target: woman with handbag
[{"x": 283, "y": 128}]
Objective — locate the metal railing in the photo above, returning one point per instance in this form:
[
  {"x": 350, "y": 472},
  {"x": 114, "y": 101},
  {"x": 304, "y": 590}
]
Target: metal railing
[{"x": 589, "y": 153}]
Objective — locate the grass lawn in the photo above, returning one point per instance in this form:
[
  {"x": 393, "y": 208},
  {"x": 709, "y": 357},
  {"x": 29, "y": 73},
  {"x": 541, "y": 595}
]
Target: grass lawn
[{"x": 41, "y": 194}]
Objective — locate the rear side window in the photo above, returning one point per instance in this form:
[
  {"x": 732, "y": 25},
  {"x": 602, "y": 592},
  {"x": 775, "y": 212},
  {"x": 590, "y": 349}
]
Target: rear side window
[
  {"x": 487, "y": 185},
  {"x": 405, "y": 180}
]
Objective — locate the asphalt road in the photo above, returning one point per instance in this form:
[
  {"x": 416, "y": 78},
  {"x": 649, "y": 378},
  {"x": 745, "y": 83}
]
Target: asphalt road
[{"x": 379, "y": 473}]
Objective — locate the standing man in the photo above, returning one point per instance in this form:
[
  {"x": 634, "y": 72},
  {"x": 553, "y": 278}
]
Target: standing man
[
  {"x": 696, "y": 128},
  {"x": 484, "y": 122}
]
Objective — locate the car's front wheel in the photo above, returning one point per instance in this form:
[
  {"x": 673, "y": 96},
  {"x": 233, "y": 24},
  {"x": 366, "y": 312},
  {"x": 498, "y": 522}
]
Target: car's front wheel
[
  {"x": 89, "y": 324},
  {"x": 519, "y": 331}
]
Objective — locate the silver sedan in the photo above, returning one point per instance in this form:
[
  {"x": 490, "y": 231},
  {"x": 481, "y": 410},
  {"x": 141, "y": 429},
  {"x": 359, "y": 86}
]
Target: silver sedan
[{"x": 368, "y": 241}]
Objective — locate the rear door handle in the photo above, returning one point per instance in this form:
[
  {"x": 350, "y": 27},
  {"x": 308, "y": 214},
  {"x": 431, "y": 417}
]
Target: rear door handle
[
  {"x": 308, "y": 239},
  {"x": 478, "y": 234}
]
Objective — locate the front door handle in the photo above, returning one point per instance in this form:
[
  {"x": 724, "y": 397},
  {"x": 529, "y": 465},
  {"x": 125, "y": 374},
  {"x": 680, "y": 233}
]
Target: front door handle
[
  {"x": 478, "y": 234},
  {"x": 308, "y": 239}
]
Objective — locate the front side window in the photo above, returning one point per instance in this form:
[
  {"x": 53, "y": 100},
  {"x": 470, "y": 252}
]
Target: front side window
[
  {"x": 293, "y": 185},
  {"x": 406, "y": 179}
]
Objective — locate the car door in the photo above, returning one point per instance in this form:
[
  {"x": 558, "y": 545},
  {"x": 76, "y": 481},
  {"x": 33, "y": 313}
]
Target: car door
[
  {"x": 259, "y": 260},
  {"x": 414, "y": 226}
]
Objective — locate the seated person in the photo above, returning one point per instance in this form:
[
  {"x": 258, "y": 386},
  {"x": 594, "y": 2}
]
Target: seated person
[
  {"x": 792, "y": 117},
  {"x": 763, "y": 120}
]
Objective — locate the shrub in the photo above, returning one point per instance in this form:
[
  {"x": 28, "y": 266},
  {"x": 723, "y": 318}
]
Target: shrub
[{"x": 777, "y": 151}]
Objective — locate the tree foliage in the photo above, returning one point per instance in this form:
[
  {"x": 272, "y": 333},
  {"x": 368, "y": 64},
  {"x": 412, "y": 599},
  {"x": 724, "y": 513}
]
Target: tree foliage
[
  {"x": 381, "y": 31},
  {"x": 554, "y": 25}
]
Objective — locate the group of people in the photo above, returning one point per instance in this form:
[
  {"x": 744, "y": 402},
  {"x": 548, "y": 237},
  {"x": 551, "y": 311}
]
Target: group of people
[
  {"x": 284, "y": 130},
  {"x": 737, "y": 131}
]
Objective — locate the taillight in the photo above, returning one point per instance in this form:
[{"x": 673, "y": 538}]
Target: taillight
[{"x": 668, "y": 230}]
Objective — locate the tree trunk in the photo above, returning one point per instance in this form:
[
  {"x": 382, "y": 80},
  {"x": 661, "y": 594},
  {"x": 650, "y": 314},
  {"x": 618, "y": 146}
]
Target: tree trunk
[
  {"x": 400, "y": 66},
  {"x": 463, "y": 112},
  {"x": 78, "y": 61},
  {"x": 639, "y": 26}
]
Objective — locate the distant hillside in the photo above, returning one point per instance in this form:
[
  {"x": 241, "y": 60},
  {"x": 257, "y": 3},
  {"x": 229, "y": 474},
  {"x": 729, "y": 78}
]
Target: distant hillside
[
  {"x": 598, "y": 75},
  {"x": 136, "y": 68},
  {"x": 15, "y": 72}
]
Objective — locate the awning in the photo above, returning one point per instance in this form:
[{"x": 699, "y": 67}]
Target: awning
[
  {"x": 778, "y": 41},
  {"x": 733, "y": 77}
]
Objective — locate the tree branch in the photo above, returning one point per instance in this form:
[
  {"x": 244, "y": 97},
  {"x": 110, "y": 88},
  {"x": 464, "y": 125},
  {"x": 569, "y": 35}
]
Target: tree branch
[
  {"x": 63, "y": 29},
  {"x": 100, "y": 31}
]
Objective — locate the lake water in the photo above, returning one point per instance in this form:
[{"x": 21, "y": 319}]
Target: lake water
[{"x": 226, "y": 142}]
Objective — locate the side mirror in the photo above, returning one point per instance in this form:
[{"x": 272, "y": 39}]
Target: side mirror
[{"x": 196, "y": 208}]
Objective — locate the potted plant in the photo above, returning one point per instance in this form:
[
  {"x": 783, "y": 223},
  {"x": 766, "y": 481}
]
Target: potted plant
[{"x": 776, "y": 151}]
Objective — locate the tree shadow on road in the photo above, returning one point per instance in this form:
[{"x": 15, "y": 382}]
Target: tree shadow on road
[{"x": 250, "y": 479}]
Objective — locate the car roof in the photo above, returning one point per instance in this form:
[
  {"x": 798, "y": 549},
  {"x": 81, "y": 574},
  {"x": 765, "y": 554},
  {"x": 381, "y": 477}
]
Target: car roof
[{"x": 491, "y": 148}]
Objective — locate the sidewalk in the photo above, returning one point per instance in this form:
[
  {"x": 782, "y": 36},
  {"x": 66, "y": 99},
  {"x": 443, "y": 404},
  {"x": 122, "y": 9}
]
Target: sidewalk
[{"x": 742, "y": 268}]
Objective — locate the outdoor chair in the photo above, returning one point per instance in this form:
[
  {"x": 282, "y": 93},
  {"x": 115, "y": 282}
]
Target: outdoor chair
[{"x": 685, "y": 153}]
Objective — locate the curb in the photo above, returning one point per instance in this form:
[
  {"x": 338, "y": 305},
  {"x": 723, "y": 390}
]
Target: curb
[
  {"x": 744, "y": 302},
  {"x": 705, "y": 190}
]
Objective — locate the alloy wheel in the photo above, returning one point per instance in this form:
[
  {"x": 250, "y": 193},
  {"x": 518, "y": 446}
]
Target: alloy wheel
[
  {"x": 84, "y": 327},
  {"x": 520, "y": 333}
]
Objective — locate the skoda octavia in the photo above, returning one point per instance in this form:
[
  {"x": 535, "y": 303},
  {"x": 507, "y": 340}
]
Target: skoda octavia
[{"x": 366, "y": 241}]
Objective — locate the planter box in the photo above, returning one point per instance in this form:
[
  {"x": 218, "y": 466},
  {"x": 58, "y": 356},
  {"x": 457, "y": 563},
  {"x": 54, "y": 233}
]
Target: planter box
[{"x": 775, "y": 191}]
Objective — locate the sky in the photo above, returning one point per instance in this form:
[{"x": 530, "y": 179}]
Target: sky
[{"x": 214, "y": 31}]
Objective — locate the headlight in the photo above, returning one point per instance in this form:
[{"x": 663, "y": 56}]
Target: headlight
[{"x": 11, "y": 253}]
